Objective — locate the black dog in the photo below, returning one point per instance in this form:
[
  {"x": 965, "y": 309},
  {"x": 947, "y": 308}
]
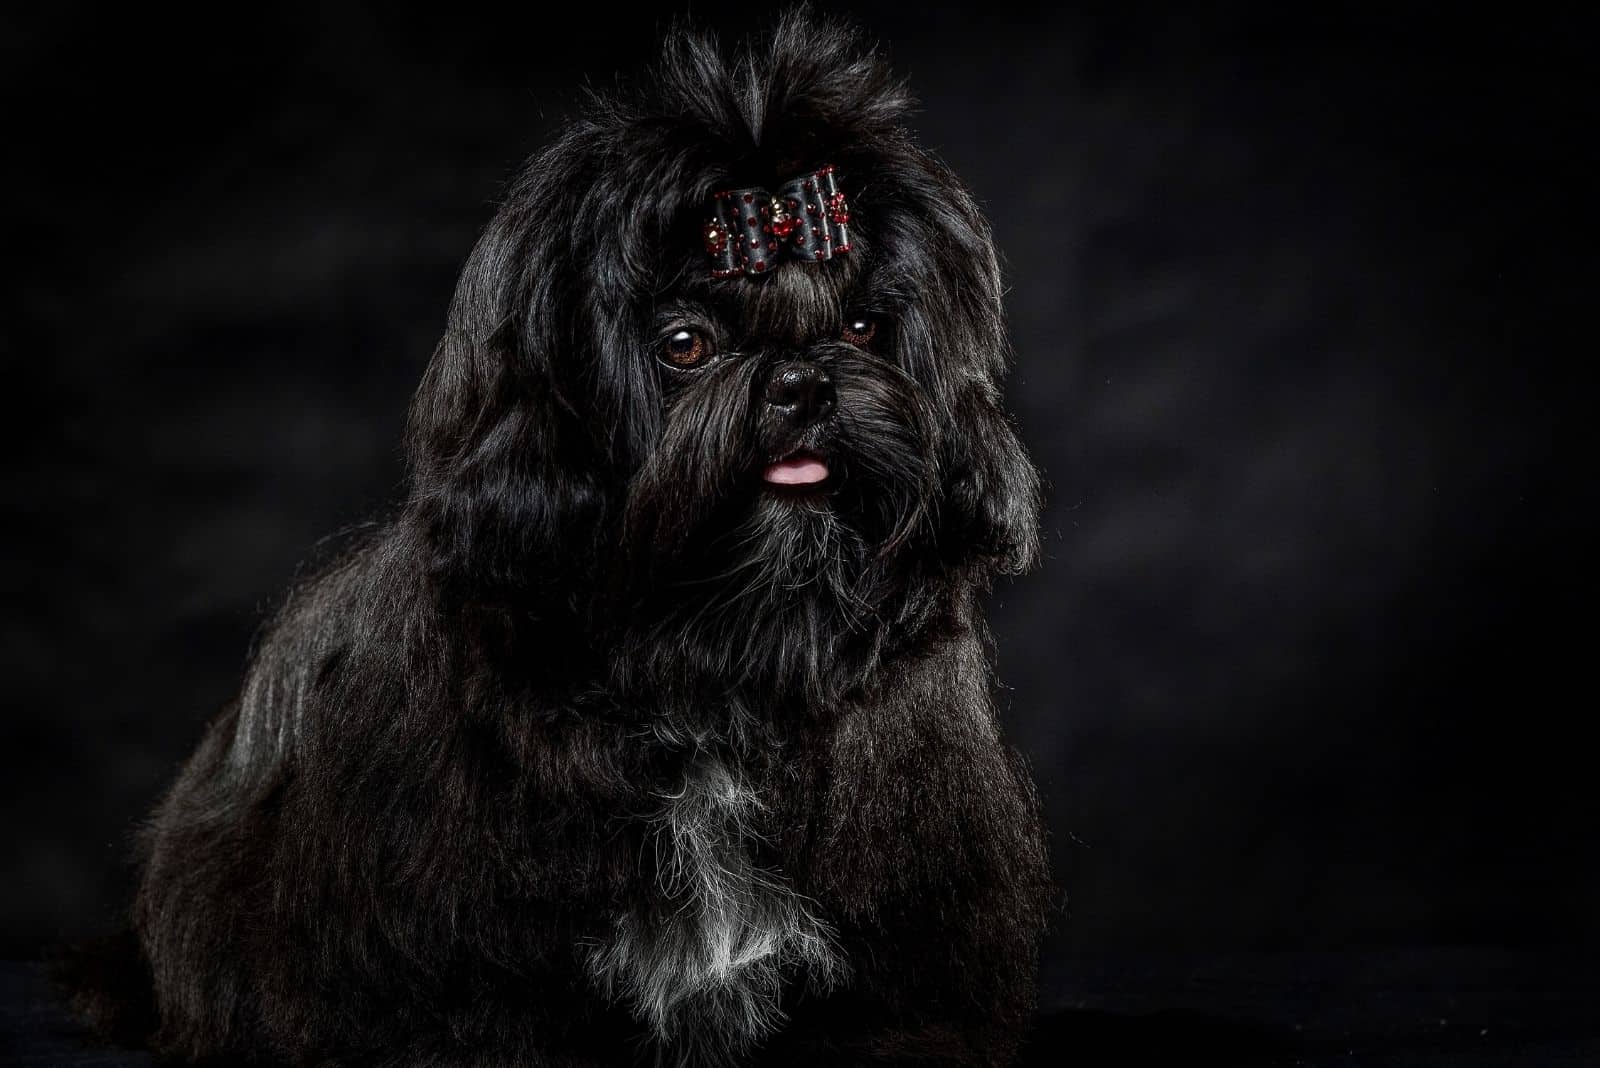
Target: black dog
[{"x": 659, "y": 724}]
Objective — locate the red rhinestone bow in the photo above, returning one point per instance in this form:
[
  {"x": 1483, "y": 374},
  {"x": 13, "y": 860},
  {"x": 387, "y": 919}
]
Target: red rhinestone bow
[{"x": 751, "y": 231}]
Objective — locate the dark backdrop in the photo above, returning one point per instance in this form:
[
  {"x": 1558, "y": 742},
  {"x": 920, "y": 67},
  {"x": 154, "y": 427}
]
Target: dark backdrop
[{"x": 1296, "y": 306}]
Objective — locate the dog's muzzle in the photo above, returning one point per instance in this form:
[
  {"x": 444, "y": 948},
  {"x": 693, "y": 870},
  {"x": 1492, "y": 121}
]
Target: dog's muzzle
[{"x": 799, "y": 395}]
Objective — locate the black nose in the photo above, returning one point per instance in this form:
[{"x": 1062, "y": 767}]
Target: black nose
[{"x": 802, "y": 392}]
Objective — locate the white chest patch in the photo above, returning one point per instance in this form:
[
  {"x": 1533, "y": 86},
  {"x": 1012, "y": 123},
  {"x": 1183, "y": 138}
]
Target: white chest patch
[{"x": 707, "y": 972}]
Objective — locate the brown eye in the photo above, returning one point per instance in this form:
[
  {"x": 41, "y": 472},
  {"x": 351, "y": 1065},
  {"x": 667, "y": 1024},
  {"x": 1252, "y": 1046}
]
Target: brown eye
[
  {"x": 687, "y": 348},
  {"x": 860, "y": 331}
]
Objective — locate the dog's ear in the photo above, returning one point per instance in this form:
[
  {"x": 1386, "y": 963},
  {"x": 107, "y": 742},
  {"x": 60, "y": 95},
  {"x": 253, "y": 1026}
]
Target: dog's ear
[
  {"x": 994, "y": 486},
  {"x": 534, "y": 404},
  {"x": 937, "y": 244},
  {"x": 993, "y": 498}
]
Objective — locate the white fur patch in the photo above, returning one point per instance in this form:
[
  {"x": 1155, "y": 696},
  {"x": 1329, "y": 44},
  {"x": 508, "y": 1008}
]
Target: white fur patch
[{"x": 707, "y": 972}]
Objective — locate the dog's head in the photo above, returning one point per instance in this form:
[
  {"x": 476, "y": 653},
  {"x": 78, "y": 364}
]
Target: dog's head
[{"x": 775, "y": 463}]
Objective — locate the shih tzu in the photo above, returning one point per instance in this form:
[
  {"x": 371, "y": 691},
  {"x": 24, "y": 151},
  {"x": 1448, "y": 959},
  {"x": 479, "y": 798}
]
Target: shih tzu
[{"x": 658, "y": 725}]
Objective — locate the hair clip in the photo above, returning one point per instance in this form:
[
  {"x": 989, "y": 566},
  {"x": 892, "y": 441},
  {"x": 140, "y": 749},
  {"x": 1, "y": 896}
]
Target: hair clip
[{"x": 752, "y": 230}]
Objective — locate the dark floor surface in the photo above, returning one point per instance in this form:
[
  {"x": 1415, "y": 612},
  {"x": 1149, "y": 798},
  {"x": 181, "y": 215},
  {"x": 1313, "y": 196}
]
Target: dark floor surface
[{"x": 1420, "y": 1008}]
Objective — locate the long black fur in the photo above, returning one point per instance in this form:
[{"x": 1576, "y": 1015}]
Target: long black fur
[{"x": 599, "y": 753}]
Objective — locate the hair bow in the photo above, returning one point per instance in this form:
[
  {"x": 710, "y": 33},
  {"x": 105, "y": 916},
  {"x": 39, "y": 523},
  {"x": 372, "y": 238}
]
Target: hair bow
[{"x": 752, "y": 230}]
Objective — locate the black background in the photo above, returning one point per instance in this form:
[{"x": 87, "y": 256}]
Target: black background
[{"x": 1298, "y": 311}]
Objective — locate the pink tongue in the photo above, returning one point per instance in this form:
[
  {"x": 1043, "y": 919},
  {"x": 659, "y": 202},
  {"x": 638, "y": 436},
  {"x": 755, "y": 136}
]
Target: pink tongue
[{"x": 797, "y": 471}]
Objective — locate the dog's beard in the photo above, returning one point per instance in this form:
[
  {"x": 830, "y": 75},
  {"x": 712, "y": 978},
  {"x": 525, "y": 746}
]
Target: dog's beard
[{"x": 735, "y": 581}]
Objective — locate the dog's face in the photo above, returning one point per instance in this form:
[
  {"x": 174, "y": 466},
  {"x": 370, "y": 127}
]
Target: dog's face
[
  {"x": 794, "y": 448},
  {"x": 757, "y": 473}
]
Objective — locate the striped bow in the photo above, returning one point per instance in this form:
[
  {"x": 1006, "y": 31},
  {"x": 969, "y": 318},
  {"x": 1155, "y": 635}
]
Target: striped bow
[{"x": 752, "y": 230}]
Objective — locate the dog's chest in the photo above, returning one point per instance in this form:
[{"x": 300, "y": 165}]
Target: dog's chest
[{"x": 709, "y": 964}]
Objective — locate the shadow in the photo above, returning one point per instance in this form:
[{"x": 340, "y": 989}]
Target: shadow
[
  {"x": 1088, "y": 1039},
  {"x": 102, "y": 989}
]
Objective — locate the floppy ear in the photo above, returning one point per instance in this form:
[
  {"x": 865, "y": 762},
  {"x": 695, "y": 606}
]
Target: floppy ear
[
  {"x": 954, "y": 341},
  {"x": 993, "y": 498},
  {"x": 993, "y": 492},
  {"x": 533, "y": 406}
]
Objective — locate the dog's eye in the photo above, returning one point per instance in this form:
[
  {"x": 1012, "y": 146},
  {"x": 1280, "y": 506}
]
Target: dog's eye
[
  {"x": 687, "y": 348},
  {"x": 860, "y": 330}
]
